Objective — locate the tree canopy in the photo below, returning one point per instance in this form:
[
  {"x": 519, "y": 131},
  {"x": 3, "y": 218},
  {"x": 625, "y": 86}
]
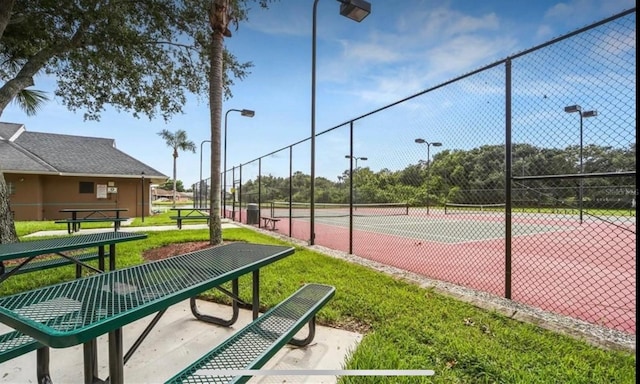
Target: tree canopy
[
  {"x": 474, "y": 176},
  {"x": 141, "y": 57}
]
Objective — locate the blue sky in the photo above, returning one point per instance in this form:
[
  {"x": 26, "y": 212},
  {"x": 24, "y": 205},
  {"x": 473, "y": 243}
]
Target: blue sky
[{"x": 401, "y": 48}]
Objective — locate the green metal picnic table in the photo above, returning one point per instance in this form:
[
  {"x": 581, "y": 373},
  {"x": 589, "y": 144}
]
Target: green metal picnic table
[
  {"x": 50, "y": 253},
  {"x": 28, "y": 251},
  {"x": 79, "y": 311},
  {"x": 92, "y": 215},
  {"x": 191, "y": 214}
]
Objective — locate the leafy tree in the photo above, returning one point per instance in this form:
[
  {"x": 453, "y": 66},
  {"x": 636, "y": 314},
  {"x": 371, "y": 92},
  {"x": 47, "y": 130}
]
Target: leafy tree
[
  {"x": 169, "y": 186},
  {"x": 140, "y": 57},
  {"x": 177, "y": 141},
  {"x": 469, "y": 176}
]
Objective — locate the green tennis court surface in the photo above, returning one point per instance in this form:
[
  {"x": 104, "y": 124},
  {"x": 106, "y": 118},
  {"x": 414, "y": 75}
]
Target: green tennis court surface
[{"x": 442, "y": 230}]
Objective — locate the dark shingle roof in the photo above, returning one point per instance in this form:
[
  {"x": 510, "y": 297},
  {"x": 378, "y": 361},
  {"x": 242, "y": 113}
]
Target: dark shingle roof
[
  {"x": 7, "y": 130},
  {"x": 14, "y": 158},
  {"x": 67, "y": 155}
]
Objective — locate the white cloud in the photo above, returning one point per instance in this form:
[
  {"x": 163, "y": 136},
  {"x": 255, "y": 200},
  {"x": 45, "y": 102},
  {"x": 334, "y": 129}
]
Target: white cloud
[
  {"x": 561, "y": 10},
  {"x": 442, "y": 23},
  {"x": 544, "y": 32},
  {"x": 369, "y": 52},
  {"x": 461, "y": 54}
]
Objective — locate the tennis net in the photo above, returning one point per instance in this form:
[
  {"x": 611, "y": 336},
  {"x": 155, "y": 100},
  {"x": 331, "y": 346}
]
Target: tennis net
[
  {"x": 452, "y": 208},
  {"x": 286, "y": 209}
]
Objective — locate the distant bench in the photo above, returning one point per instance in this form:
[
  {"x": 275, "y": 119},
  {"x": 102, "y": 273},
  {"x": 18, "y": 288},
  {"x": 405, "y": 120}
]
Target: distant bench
[
  {"x": 192, "y": 214},
  {"x": 269, "y": 222},
  {"x": 73, "y": 225},
  {"x": 92, "y": 215},
  {"x": 180, "y": 219}
]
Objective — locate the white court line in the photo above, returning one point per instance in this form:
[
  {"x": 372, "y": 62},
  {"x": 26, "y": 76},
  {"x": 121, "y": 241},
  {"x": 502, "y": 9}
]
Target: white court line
[{"x": 432, "y": 237}]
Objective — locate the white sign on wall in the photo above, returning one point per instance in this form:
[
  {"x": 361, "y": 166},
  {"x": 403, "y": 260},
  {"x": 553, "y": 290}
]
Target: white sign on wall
[{"x": 101, "y": 191}]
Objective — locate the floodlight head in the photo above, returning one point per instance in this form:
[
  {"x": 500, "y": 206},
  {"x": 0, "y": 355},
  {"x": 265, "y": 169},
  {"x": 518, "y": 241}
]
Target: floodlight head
[
  {"x": 420, "y": 141},
  {"x": 589, "y": 113},
  {"x": 437, "y": 144},
  {"x": 573, "y": 108},
  {"x": 347, "y": 156},
  {"x": 355, "y": 10},
  {"x": 363, "y": 158},
  {"x": 247, "y": 113}
]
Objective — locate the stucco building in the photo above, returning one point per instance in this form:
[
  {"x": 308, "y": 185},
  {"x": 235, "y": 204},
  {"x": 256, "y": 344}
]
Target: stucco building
[{"x": 46, "y": 172}]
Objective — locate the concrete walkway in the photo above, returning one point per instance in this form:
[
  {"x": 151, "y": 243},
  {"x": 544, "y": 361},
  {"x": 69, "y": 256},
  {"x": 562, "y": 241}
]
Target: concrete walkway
[
  {"x": 226, "y": 223},
  {"x": 179, "y": 339}
]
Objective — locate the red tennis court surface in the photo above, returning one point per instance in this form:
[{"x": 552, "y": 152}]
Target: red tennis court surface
[{"x": 586, "y": 271}]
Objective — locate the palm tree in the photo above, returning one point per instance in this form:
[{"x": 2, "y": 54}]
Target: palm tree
[
  {"x": 30, "y": 100},
  {"x": 221, "y": 14},
  {"x": 177, "y": 140}
]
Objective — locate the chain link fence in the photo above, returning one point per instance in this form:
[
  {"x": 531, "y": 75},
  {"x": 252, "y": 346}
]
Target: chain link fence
[{"x": 516, "y": 179}]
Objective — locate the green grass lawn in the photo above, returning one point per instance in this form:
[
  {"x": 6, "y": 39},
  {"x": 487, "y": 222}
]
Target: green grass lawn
[
  {"x": 27, "y": 227},
  {"x": 406, "y": 327}
]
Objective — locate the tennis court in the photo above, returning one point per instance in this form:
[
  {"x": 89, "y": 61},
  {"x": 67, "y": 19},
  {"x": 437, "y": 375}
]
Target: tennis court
[
  {"x": 434, "y": 225},
  {"x": 469, "y": 248},
  {"x": 436, "y": 228}
]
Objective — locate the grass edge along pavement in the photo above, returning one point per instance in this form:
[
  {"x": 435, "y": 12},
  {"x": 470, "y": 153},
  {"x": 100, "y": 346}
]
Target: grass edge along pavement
[{"x": 406, "y": 326}]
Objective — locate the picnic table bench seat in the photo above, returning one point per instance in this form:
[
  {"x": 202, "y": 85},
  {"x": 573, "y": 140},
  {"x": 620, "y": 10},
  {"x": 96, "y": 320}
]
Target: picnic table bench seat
[
  {"x": 269, "y": 222},
  {"x": 14, "y": 344},
  {"x": 180, "y": 219},
  {"x": 42, "y": 264},
  {"x": 256, "y": 343},
  {"x": 73, "y": 225},
  {"x": 93, "y": 220}
]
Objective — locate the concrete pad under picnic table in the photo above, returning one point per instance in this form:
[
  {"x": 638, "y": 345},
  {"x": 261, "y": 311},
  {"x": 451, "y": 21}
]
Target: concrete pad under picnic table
[{"x": 177, "y": 341}]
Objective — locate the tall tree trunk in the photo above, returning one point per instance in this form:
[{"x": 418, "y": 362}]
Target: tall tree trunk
[
  {"x": 5, "y": 14},
  {"x": 215, "y": 105},
  {"x": 175, "y": 166},
  {"x": 219, "y": 19},
  {"x": 7, "y": 228}
]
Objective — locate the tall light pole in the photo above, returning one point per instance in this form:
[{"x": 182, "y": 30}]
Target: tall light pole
[
  {"x": 142, "y": 196},
  {"x": 578, "y": 109},
  {"x": 200, "y": 181},
  {"x": 353, "y": 187},
  {"x": 435, "y": 144},
  {"x": 355, "y": 10},
  {"x": 243, "y": 112}
]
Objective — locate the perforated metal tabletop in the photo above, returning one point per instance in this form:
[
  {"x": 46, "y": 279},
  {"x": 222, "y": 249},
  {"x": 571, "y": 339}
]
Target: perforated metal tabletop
[
  {"x": 22, "y": 249},
  {"x": 78, "y": 311}
]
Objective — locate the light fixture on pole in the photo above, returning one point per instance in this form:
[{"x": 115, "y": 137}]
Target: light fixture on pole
[
  {"x": 435, "y": 144},
  {"x": 353, "y": 186},
  {"x": 355, "y": 10},
  {"x": 245, "y": 113},
  {"x": 578, "y": 109},
  {"x": 200, "y": 183},
  {"x": 356, "y": 159}
]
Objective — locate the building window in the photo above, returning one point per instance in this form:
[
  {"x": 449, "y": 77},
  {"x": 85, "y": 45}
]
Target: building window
[
  {"x": 11, "y": 188},
  {"x": 86, "y": 187}
]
